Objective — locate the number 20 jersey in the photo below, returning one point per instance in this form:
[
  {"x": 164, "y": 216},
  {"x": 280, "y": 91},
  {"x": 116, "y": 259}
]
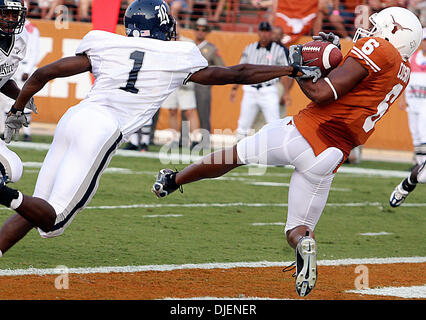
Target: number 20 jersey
[
  {"x": 133, "y": 76},
  {"x": 348, "y": 121}
]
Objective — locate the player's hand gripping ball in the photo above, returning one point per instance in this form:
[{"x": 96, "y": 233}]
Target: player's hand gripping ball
[{"x": 322, "y": 54}]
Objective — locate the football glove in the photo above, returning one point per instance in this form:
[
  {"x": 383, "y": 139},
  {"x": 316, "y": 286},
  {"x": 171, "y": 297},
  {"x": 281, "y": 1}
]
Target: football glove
[
  {"x": 14, "y": 121},
  {"x": 296, "y": 61},
  {"x": 329, "y": 37}
]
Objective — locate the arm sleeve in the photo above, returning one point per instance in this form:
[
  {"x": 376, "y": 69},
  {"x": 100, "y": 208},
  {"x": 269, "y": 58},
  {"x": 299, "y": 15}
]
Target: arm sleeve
[
  {"x": 196, "y": 62},
  {"x": 87, "y": 43}
]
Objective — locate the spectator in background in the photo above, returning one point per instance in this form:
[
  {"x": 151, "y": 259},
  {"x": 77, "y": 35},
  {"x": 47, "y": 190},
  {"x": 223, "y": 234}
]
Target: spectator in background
[
  {"x": 203, "y": 92},
  {"x": 330, "y": 9},
  {"x": 413, "y": 100},
  {"x": 216, "y": 9},
  {"x": 48, "y": 8},
  {"x": 83, "y": 10},
  {"x": 285, "y": 85},
  {"x": 177, "y": 6},
  {"x": 24, "y": 71},
  {"x": 262, "y": 96},
  {"x": 296, "y": 18},
  {"x": 418, "y": 7}
]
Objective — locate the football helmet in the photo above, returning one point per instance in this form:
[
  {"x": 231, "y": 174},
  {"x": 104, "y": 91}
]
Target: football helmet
[
  {"x": 399, "y": 26},
  {"x": 151, "y": 19},
  {"x": 12, "y": 16}
]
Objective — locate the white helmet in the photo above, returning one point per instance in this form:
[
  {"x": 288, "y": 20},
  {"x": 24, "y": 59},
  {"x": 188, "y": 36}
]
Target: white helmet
[{"x": 399, "y": 26}]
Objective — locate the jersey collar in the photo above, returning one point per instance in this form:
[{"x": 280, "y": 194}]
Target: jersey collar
[
  {"x": 7, "y": 44},
  {"x": 268, "y": 47}
]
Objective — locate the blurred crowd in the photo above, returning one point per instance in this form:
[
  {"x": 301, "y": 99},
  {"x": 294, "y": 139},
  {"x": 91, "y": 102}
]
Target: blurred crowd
[{"x": 296, "y": 18}]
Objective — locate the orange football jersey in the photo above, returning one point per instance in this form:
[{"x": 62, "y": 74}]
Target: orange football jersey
[{"x": 350, "y": 120}]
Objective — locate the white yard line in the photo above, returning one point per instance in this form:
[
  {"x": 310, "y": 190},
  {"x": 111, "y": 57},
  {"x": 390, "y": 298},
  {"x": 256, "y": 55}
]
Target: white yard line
[
  {"x": 163, "y": 216},
  {"x": 229, "y": 265},
  {"x": 414, "y": 292},
  {"x": 383, "y": 233},
  {"x": 233, "y": 204},
  {"x": 268, "y": 224}
]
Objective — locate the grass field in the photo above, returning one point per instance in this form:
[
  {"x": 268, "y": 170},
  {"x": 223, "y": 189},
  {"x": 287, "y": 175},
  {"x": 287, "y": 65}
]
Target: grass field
[
  {"x": 233, "y": 219},
  {"x": 135, "y": 236}
]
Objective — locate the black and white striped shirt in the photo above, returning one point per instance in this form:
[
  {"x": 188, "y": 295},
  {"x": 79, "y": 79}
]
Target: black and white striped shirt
[{"x": 273, "y": 54}]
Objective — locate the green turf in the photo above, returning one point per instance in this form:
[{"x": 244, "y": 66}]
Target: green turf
[{"x": 110, "y": 237}]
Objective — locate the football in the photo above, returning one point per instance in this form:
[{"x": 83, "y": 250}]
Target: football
[{"x": 321, "y": 54}]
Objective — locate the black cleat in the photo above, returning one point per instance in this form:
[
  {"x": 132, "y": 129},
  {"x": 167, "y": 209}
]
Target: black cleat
[
  {"x": 165, "y": 183},
  {"x": 306, "y": 266}
]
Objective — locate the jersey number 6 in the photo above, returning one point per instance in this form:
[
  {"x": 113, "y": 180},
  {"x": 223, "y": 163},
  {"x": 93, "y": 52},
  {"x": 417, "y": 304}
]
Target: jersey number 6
[{"x": 137, "y": 56}]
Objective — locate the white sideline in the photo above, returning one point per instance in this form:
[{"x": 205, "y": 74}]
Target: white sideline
[
  {"x": 234, "y": 204},
  {"x": 229, "y": 265},
  {"x": 413, "y": 292}
]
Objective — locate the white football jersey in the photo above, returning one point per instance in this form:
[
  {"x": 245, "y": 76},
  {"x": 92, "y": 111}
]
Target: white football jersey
[
  {"x": 415, "y": 93},
  {"x": 133, "y": 76},
  {"x": 10, "y": 60}
]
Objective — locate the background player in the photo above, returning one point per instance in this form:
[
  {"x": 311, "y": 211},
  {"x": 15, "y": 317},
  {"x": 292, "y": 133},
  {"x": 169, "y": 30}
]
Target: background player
[
  {"x": 25, "y": 69},
  {"x": 345, "y": 108},
  {"x": 414, "y": 101},
  {"x": 125, "y": 96},
  {"x": 263, "y": 96},
  {"x": 13, "y": 44}
]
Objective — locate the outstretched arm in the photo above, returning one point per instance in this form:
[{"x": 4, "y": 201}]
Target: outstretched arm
[
  {"x": 247, "y": 74},
  {"x": 10, "y": 89},
  {"x": 64, "y": 67}
]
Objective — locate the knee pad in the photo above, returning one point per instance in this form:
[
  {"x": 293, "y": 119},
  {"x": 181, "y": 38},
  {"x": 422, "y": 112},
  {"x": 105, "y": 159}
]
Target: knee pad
[{"x": 10, "y": 164}]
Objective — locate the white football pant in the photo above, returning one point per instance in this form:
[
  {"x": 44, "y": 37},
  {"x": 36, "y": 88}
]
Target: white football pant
[
  {"x": 84, "y": 142},
  {"x": 265, "y": 99},
  {"x": 280, "y": 143},
  {"x": 417, "y": 124}
]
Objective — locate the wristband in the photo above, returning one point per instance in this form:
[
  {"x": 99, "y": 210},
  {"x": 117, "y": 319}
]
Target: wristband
[
  {"x": 13, "y": 110},
  {"x": 295, "y": 71}
]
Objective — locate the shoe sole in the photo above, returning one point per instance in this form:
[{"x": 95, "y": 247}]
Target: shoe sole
[{"x": 307, "y": 277}]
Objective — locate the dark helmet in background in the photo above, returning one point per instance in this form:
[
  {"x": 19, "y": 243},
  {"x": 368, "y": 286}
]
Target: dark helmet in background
[
  {"x": 150, "y": 19},
  {"x": 12, "y": 16}
]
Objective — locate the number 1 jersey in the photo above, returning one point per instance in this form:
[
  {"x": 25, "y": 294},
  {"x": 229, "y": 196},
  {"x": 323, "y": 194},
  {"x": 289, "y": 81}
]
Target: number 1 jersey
[
  {"x": 350, "y": 120},
  {"x": 133, "y": 76}
]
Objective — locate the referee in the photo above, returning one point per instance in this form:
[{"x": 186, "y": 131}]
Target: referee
[{"x": 263, "y": 96}]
